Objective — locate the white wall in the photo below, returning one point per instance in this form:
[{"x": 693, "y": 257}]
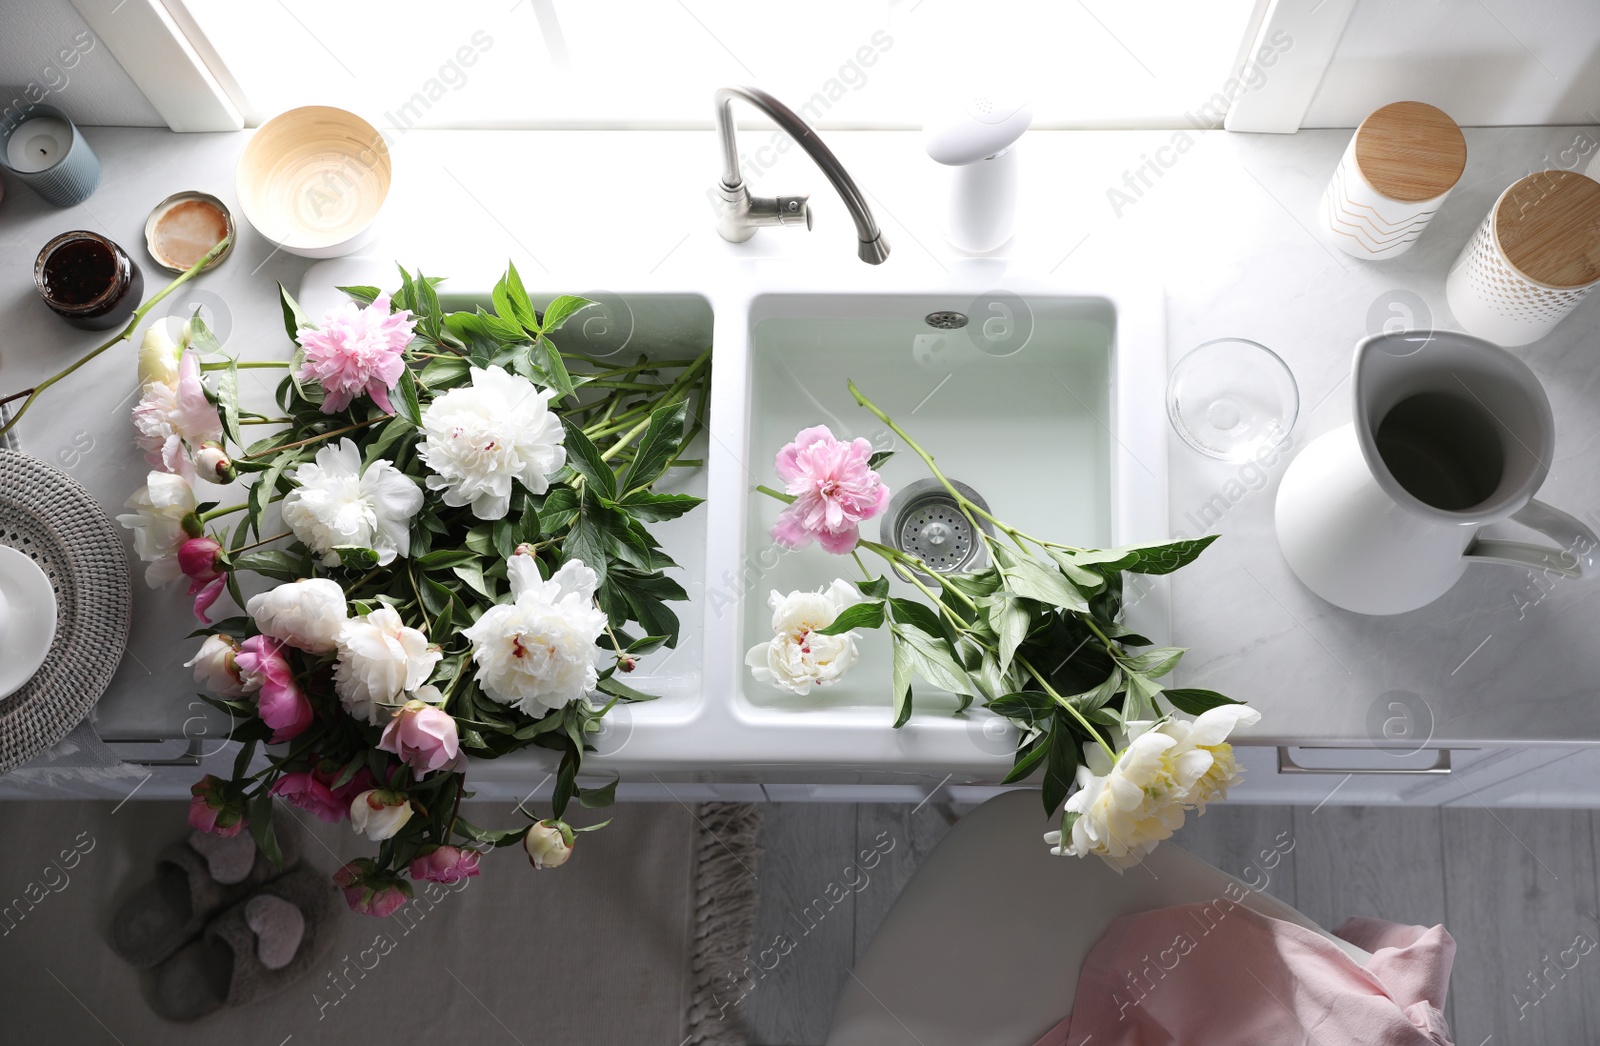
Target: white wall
[
  {"x": 48, "y": 54},
  {"x": 1494, "y": 62}
]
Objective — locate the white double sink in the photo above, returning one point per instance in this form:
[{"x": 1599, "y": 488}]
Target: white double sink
[{"x": 1048, "y": 403}]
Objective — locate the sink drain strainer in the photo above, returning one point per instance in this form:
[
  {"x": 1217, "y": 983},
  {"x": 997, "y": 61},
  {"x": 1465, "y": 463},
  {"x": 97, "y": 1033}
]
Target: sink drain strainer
[{"x": 924, "y": 520}]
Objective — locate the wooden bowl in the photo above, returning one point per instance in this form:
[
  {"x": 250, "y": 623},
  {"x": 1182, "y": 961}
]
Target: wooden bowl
[{"x": 312, "y": 181}]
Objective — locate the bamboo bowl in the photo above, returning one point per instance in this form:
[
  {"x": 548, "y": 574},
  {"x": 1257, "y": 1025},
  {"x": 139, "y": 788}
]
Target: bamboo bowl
[{"x": 312, "y": 181}]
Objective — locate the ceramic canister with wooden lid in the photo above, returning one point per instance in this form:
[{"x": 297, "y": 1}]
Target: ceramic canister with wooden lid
[
  {"x": 1397, "y": 170},
  {"x": 1531, "y": 261}
]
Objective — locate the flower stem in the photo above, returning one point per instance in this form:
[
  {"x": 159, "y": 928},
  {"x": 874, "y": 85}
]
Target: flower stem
[
  {"x": 787, "y": 499},
  {"x": 316, "y": 438},
  {"x": 127, "y": 332},
  {"x": 244, "y": 365},
  {"x": 263, "y": 541},
  {"x": 207, "y": 517}
]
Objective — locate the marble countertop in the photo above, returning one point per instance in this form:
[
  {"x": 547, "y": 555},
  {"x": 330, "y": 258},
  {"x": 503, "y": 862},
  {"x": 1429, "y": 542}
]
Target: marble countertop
[{"x": 1223, "y": 221}]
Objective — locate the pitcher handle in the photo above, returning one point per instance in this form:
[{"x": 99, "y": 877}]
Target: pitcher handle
[{"x": 1575, "y": 558}]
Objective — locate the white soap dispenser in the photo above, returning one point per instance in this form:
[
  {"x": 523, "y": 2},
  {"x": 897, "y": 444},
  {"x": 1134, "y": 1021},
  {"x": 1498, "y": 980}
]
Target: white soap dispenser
[{"x": 978, "y": 137}]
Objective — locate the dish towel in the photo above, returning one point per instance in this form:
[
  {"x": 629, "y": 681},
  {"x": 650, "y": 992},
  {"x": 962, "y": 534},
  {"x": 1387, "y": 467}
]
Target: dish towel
[{"x": 1219, "y": 974}]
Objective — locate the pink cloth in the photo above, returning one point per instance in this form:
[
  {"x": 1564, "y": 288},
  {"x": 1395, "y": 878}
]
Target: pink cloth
[{"x": 1219, "y": 974}]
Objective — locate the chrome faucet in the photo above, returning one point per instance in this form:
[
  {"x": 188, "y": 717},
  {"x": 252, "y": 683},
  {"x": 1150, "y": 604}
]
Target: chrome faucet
[{"x": 739, "y": 214}]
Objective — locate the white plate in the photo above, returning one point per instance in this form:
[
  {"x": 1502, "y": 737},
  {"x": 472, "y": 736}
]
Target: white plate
[{"x": 27, "y": 619}]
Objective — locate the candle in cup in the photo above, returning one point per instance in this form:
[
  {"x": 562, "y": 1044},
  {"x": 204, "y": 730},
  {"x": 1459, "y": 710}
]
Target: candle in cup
[{"x": 38, "y": 144}]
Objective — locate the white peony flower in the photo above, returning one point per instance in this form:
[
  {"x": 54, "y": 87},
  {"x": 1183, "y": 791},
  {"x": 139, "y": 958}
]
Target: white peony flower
[
  {"x": 175, "y": 419},
  {"x": 214, "y": 668},
  {"x": 380, "y": 659},
  {"x": 538, "y": 652},
  {"x": 1203, "y": 752},
  {"x": 796, "y": 657},
  {"x": 1124, "y": 810},
  {"x": 379, "y": 815},
  {"x": 480, "y": 437},
  {"x": 337, "y": 502},
  {"x": 307, "y": 614},
  {"x": 157, "y": 524},
  {"x": 1167, "y": 767}
]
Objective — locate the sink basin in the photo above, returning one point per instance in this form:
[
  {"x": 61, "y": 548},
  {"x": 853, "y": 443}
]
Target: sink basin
[
  {"x": 1018, "y": 417},
  {"x": 1048, "y": 403}
]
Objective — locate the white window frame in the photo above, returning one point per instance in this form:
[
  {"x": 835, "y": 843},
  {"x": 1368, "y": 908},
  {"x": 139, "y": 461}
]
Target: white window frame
[
  {"x": 188, "y": 84},
  {"x": 163, "y": 63}
]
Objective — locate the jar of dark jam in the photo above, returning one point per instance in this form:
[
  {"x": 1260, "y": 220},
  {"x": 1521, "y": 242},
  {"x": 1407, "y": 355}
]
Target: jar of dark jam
[{"x": 88, "y": 281}]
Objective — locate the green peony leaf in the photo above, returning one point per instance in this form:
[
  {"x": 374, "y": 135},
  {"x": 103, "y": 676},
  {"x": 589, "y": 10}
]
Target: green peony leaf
[
  {"x": 661, "y": 441},
  {"x": 1194, "y": 701},
  {"x": 859, "y": 615},
  {"x": 585, "y": 459},
  {"x": 560, "y": 309}
]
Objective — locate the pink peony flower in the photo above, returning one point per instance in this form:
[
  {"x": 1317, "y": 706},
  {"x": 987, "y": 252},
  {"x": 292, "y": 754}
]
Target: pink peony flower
[
  {"x": 445, "y": 864},
  {"x": 198, "y": 558},
  {"x": 422, "y": 736},
  {"x": 210, "y": 811},
  {"x": 368, "y": 893},
  {"x": 834, "y": 491},
  {"x": 280, "y": 702},
  {"x": 305, "y": 791},
  {"x": 356, "y": 351},
  {"x": 173, "y": 420}
]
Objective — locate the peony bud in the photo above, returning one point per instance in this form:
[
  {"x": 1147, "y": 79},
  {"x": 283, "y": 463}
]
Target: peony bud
[
  {"x": 445, "y": 864},
  {"x": 158, "y": 357},
  {"x": 379, "y": 814},
  {"x": 307, "y": 614},
  {"x": 524, "y": 549},
  {"x": 369, "y": 893},
  {"x": 200, "y": 560},
  {"x": 422, "y": 736},
  {"x": 213, "y": 463},
  {"x": 549, "y": 844},
  {"x": 212, "y": 811},
  {"x": 215, "y": 668}
]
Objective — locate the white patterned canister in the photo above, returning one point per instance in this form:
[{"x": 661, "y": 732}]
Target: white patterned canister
[
  {"x": 1397, "y": 170},
  {"x": 1531, "y": 261}
]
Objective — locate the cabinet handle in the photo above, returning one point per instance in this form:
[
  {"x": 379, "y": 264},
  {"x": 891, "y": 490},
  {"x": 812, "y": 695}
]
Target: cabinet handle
[
  {"x": 1287, "y": 765},
  {"x": 190, "y": 757}
]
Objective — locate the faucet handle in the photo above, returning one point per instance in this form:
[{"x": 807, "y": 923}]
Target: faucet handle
[{"x": 792, "y": 210}]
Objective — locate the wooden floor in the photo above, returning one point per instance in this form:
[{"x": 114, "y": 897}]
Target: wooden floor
[{"x": 1516, "y": 888}]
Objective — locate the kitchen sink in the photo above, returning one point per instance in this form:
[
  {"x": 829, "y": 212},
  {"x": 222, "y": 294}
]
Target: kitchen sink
[
  {"x": 1048, "y": 402},
  {"x": 1015, "y": 405}
]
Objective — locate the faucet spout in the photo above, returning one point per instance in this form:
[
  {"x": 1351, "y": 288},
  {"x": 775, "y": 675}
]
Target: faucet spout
[{"x": 740, "y": 214}]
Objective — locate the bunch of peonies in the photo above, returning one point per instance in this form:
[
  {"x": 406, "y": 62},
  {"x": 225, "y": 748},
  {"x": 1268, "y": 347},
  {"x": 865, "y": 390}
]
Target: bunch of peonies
[
  {"x": 480, "y": 437},
  {"x": 834, "y": 490},
  {"x": 538, "y": 651},
  {"x": 1122, "y": 810},
  {"x": 797, "y": 657}
]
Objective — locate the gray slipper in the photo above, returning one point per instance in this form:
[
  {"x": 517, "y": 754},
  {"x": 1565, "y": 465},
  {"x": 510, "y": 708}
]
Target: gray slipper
[
  {"x": 255, "y": 949},
  {"x": 194, "y": 880}
]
